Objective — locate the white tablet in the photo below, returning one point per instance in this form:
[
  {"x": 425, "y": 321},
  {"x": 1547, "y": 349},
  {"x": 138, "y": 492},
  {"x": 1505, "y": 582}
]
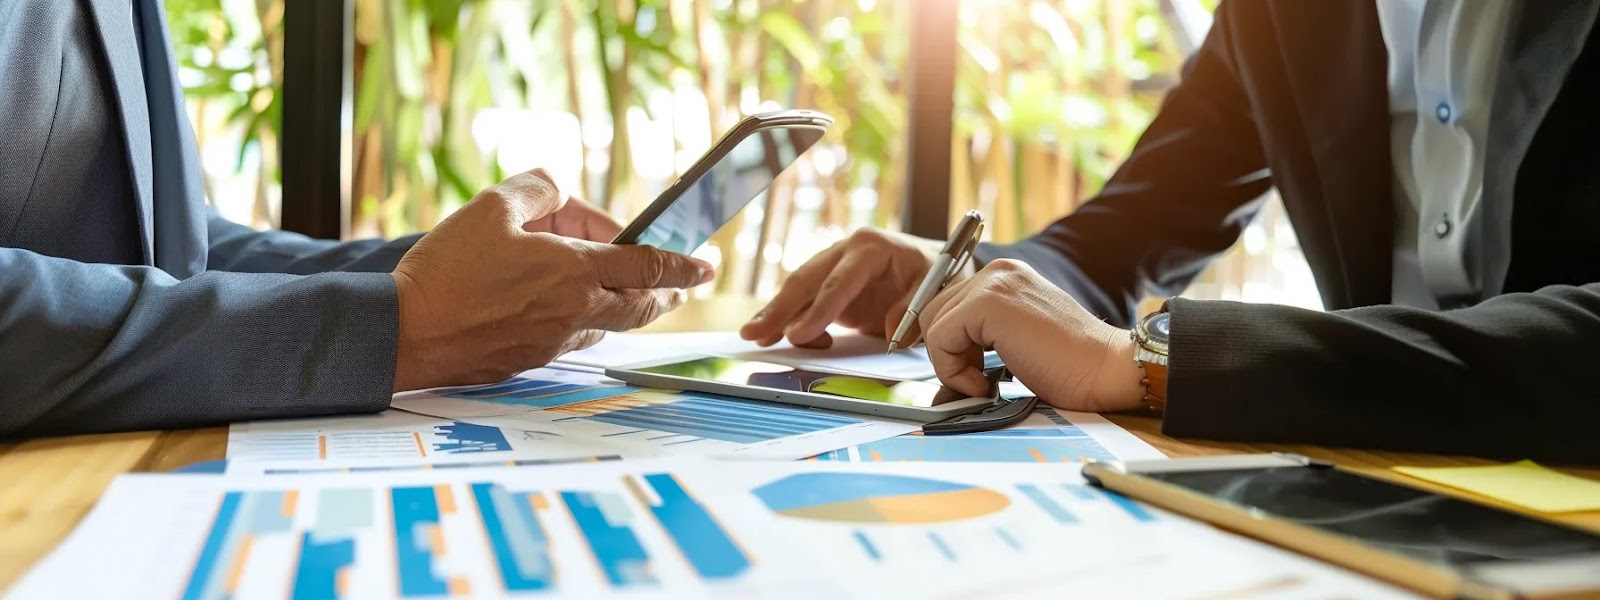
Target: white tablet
[{"x": 918, "y": 401}]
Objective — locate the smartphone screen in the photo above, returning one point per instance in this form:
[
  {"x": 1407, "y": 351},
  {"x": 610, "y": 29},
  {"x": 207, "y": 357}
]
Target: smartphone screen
[
  {"x": 726, "y": 187},
  {"x": 773, "y": 376},
  {"x": 1432, "y": 528}
]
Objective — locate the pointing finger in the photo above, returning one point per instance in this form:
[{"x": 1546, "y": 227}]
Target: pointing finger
[
  {"x": 768, "y": 325},
  {"x": 841, "y": 287}
]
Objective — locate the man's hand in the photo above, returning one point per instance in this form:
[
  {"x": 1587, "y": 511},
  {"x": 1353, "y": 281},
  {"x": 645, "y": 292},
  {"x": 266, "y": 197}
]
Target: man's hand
[
  {"x": 577, "y": 219},
  {"x": 1066, "y": 355},
  {"x": 864, "y": 282},
  {"x": 481, "y": 298}
]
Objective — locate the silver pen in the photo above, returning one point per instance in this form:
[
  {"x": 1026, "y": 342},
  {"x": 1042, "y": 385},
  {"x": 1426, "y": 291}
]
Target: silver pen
[{"x": 957, "y": 250}]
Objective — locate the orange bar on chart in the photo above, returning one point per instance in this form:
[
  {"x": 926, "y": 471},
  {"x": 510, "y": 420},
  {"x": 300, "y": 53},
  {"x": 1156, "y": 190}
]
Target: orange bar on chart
[
  {"x": 236, "y": 572},
  {"x": 446, "y": 497},
  {"x": 421, "y": 450},
  {"x": 290, "y": 499},
  {"x": 460, "y": 587},
  {"x": 1037, "y": 455},
  {"x": 322, "y": 447},
  {"x": 436, "y": 540}
]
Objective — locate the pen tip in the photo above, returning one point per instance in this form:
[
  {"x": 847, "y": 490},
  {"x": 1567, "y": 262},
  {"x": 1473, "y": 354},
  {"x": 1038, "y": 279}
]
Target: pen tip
[{"x": 892, "y": 347}]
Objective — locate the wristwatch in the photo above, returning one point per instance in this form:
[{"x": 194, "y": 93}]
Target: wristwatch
[{"x": 1150, "y": 339}]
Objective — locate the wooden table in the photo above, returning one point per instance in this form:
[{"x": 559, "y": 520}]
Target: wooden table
[{"x": 49, "y": 484}]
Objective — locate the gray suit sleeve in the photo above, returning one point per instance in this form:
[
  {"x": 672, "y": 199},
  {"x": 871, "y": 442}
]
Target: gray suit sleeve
[
  {"x": 238, "y": 248},
  {"x": 1506, "y": 378},
  {"x": 93, "y": 348}
]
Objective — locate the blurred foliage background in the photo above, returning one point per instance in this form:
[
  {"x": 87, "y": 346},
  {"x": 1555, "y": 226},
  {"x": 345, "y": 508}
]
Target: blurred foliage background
[{"x": 617, "y": 97}]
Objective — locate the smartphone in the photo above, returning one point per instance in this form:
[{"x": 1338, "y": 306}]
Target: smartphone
[
  {"x": 1432, "y": 543},
  {"x": 739, "y": 167},
  {"x": 918, "y": 401}
]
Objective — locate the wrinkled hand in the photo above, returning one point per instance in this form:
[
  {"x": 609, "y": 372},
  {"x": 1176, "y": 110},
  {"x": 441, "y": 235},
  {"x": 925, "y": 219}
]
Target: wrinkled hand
[
  {"x": 577, "y": 219},
  {"x": 1071, "y": 359},
  {"x": 864, "y": 282},
  {"x": 481, "y": 298}
]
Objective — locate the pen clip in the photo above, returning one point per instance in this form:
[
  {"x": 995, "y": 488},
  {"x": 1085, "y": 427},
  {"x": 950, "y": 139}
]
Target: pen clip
[{"x": 965, "y": 253}]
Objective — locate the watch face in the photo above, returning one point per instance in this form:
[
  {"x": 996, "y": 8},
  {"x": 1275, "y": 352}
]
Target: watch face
[{"x": 1161, "y": 327}]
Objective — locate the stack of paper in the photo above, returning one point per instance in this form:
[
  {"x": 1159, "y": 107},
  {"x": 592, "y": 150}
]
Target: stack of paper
[{"x": 549, "y": 483}]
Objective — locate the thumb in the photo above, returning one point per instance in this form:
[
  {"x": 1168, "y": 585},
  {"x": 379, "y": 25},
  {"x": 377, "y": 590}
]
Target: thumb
[
  {"x": 643, "y": 267},
  {"x": 525, "y": 197}
]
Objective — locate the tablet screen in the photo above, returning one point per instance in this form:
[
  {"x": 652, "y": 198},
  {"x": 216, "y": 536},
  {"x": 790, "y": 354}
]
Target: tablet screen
[
  {"x": 773, "y": 376},
  {"x": 731, "y": 183}
]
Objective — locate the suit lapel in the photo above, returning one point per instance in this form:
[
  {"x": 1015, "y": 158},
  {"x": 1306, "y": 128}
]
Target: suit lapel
[
  {"x": 114, "y": 20},
  {"x": 1543, "y": 41},
  {"x": 1337, "y": 67}
]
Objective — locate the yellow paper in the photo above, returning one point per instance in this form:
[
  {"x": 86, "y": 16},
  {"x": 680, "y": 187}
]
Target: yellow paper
[{"x": 1524, "y": 484}]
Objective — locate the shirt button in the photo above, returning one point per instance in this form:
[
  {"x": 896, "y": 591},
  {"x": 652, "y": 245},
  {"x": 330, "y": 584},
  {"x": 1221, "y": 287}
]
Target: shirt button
[
  {"x": 1443, "y": 112},
  {"x": 1442, "y": 230}
]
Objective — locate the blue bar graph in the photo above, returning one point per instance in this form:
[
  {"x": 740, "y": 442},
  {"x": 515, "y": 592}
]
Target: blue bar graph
[
  {"x": 697, "y": 534},
  {"x": 604, "y": 521},
  {"x": 467, "y": 437},
  {"x": 329, "y": 548},
  {"x": 320, "y": 563},
  {"x": 515, "y": 387},
  {"x": 240, "y": 518},
  {"x": 1055, "y": 509},
  {"x": 707, "y": 417},
  {"x": 520, "y": 543},
  {"x": 571, "y": 395},
  {"x": 416, "y": 516}
]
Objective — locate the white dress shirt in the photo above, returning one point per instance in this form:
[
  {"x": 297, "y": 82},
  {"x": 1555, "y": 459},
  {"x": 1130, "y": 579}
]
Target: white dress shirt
[{"x": 1444, "y": 56}]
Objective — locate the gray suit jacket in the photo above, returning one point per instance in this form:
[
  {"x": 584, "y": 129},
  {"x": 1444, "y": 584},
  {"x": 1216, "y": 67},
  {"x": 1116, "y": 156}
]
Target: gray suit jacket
[{"x": 125, "y": 303}]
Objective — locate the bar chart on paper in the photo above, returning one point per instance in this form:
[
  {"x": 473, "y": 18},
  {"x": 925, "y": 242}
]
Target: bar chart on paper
[
  {"x": 665, "y": 528},
  {"x": 678, "y": 418},
  {"x": 656, "y": 422},
  {"x": 391, "y": 434},
  {"x": 473, "y": 539}
]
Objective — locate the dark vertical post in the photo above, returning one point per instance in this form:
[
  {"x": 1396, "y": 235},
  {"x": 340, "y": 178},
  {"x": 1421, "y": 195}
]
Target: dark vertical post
[
  {"x": 316, "y": 147},
  {"x": 931, "y": 97}
]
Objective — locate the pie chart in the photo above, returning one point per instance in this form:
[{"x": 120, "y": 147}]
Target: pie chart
[{"x": 875, "y": 498}]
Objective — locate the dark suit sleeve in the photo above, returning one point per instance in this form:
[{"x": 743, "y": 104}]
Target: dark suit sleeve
[
  {"x": 94, "y": 347},
  {"x": 1183, "y": 196},
  {"x": 1508, "y": 378},
  {"x": 235, "y": 247}
]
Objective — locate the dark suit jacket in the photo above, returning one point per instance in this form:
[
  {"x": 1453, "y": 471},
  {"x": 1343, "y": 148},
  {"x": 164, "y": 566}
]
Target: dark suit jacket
[
  {"x": 1292, "y": 94},
  {"x": 124, "y": 302}
]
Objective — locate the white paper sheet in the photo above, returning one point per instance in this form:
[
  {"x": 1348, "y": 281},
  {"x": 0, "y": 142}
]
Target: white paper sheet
[
  {"x": 1048, "y": 435},
  {"x": 398, "y": 435},
  {"x": 851, "y": 352},
  {"x": 651, "y": 421},
  {"x": 668, "y": 529}
]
